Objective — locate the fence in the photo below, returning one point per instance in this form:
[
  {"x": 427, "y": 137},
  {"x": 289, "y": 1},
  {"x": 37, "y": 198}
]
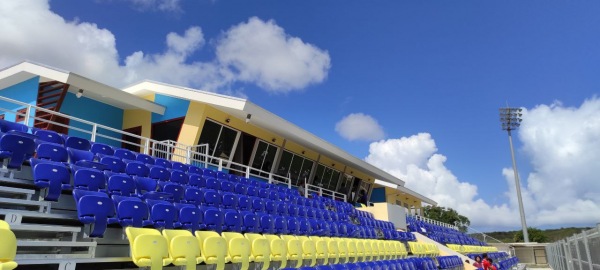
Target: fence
[
  {"x": 431, "y": 221},
  {"x": 323, "y": 192},
  {"x": 578, "y": 252}
]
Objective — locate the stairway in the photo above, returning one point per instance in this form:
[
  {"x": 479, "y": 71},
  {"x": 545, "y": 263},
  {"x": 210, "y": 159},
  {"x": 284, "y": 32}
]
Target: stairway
[{"x": 50, "y": 96}]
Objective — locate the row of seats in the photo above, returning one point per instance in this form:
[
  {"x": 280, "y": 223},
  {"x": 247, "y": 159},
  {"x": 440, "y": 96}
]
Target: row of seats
[
  {"x": 398, "y": 264},
  {"x": 450, "y": 262},
  {"x": 152, "y": 248},
  {"x": 464, "y": 249},
  {"x": 424, "y": 249},
  {"x": 497, "y": 256},
  {"x": 8, "y": 247},
  {"x": 441, "y": 234},
  {"x": 507, "y": 264}
]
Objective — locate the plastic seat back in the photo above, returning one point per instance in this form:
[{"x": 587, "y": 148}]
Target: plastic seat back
[
  {"x": 213, "y": 218},
  {"x": 193, "y": 196},
  {"x": 124, "y": 154},
  {"x": 232, "y": 220},
  {"x": 229, "y": 200},
  {"x": 89, "y": 179},
  {"x": 131, "y": 211},
  {"x": 52, "y": 151},
  {"x": 102, "y": 149},
  {"x": 16, "y": 147},
  {"x": 278, "y": 249},
  {"x": 196, "y": 180},
  {"x": 114, "y": 164},
  {"x": 49, "y": 136},
  {"x": 190, "y": 217},
  {"x": 162, "y": 214},
  {"x": 179, "y": 166},
  {"x": 294, "y": 250},
  {"x": 184, "y": 248},
  {"x": 251, "y": 222},
  {"x": 148, "y": 248},
  {"x": 137, "y": 168},
  {"x": 179, "y": 177},
  {"x": 260, "y": 249},
  {"x": 94, "y": 208},
  {"x": 213, "y": 248},
  {"x": 51, "y": 176},
  {"x": 159, "y": 173},
  {"x": 146, "y": 159},
  {"x": 238, "y": 248},
  {"x": 78, "y": 143},
  {"x": 8, "y": 248}
]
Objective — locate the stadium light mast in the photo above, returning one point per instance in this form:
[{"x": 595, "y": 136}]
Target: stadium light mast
[{"x": 511, "y": 120}]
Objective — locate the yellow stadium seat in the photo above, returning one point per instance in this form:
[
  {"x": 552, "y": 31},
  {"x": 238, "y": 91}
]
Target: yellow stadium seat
[
  {"x": 260, "y": 249},
  {"x": 360, "y": 250},
  {"x": 383, "y": 253},
  {"x": 390, "y": 249},
  {"x": 184, "y": 248},
  {"x": 368, "y": 250},
  {"x": 343, "y": 249},
  {"x": 213, "y": 248},
  {"x": 148, "y": 248},
  {"x": 294, "y": 249},
  {"x": 403, "y": 252},
  {"x": 278, "y": 249},
  {"x": 332, "y": 247},
  {"x": 239, "y": 249},
  {"x": 8, "y": 247},
  {"x": 374, "y": 250},
  {"x": 322, "y": 251},
  {"x": 309, "y": 249},
  {"x": 352, "y": 251}
]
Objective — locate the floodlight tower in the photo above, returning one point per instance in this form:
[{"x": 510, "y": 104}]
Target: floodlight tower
[{"x": 511, "y": 120}]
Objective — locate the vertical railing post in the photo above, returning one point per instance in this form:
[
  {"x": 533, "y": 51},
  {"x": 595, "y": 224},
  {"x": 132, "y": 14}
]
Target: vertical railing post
[
  {"x": 270, "y": 178},
  {"x": 220, "y": 165},
  {"x": 27, "y": 114},
  {"x": 189, "y": 154},
  {"x": 94, "y": 130},
  {"x": 206, "y": 160},
  {"x": 247, "y": 171},
  {"x": 147, "y": 146}
]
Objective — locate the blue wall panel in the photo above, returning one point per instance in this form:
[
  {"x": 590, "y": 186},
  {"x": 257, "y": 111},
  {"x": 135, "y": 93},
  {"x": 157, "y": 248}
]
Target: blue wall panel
[
  {"x": 93, "y": 111},
  {"x": 378, "y": 195},
  {"x": 175, "y": 108},
  {"x": 25, "y": 91}
]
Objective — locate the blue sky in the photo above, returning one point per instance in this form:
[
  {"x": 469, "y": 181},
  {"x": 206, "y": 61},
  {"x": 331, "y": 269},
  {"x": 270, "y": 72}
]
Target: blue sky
[{"x": 437, "y": 67}]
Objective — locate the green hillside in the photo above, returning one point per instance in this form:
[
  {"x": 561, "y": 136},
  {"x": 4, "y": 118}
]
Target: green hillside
[{"x": 552, "y": 234}]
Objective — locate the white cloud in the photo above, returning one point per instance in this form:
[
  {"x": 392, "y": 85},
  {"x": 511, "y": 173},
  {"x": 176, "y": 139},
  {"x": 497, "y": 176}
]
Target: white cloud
[
  {"x": 563, "y": 188},
  {"x": 162, "y": 5},
  {"x": 261, "y": 52},
  {"x": 36, "y": 33},
  {"x": 359, "y": 126}
]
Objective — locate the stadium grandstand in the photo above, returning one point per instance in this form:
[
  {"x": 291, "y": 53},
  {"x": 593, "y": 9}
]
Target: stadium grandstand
[{"x": 159, "y": 176}]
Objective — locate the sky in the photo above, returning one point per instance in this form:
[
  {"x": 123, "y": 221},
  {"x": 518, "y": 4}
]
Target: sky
[{"x": 413, "y": 87}]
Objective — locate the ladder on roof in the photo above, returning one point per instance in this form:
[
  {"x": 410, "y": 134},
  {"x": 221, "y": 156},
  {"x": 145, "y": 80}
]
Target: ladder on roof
[{"x": 50, "y": 96}]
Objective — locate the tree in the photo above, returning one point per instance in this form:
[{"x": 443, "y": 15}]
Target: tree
[
  {"x": 535, "y": 235},
  {"x": 447, "y": 215}
]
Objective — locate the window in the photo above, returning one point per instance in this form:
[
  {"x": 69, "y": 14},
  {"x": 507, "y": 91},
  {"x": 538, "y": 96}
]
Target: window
[
  {"x": 298, "y": 167},
  {"x": 21, "y": 115},
  {"x": 264, "y": 156},
  {"x": 220, "y": 139},
  {"x": 326, "y": 177}
]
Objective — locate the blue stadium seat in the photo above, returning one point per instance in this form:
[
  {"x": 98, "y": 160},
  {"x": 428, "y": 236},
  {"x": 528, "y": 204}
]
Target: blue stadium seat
[
  {"x": 213, "y": 183},
  {"x": 161, "y": 162},
  {"x": 193, "y": 196},
  {"x": 267, "y": 223},
  {"x": 124, "y": 154},
  {"x": 94, "y": 208},
  {"x": 137, "y": 168},
  {"x": 78, "y": 143},
  {"x": 252, "y": 191},
  {"x": 233, "y": 220},
  {"x": 222, "y": 176},
  {"x": 120, "y": 184},
  {"x": 250, "y": 222},
  {"x": 281, "y": 209},
  {"x": 292, "y": 210},
  {"x": 52, "y": 151},
  {"x": 213, "y": 218},
  {"x": 176, "y": 190},
  {"x": 159, "y": 173},
  {"x": 258, "y": 205},
  {"x": 270, "y": 207},
  {"x": 16, "y": 148},
  {"x": 304, "y": 226},
  {"x": 180, "y": 166},
  {"x": 89, "y": 179},
  {"x": 229, "y": 200},
  {"x": 114, "y": 164},
  {"x": 102, "y": 149},
  {"x": 179, "y": 177},
  {"x": 51, "y": 176},
  {"x": 234, "y": 178},
  {"x": 49, "y": 136},
  {"x": 146, "y": 159},
  {"x": 190, "y": 217},
  {"x": 196, "y": 180},
  {"x": 280, "y": 225},
  {"x": 131, "y": 211},
  {"x": 6, "y": 126},
  {"x": 163, "y": 214},
  {"x": 194, "y": 170},
  {"x": 212, "y": 198},
  {"x": 77, "y": 155},
  {"x": 241, "y": 189},
  {"x": 244, "y": 203},
  {"x": 293, "y": 226},
  {"x": 227, "y": 186}
]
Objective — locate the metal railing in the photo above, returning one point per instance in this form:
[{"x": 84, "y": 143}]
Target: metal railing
[
  {"x": 431, "y": 221},
  {"x": 323, "y": 192},
  {"x": 578, "y": 252},
  {"x": 195, "y": 155}
]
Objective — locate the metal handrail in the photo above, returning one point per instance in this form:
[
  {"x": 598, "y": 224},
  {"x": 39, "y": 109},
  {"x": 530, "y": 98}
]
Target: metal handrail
[
  {"x": 145, "y": 142},
  {"x": 323, "y": 191}
]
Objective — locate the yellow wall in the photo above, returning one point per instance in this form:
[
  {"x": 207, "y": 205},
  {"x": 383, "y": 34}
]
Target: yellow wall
[
  {"x": 298, "y": 149},
  {"x": 393, "y": 195}
]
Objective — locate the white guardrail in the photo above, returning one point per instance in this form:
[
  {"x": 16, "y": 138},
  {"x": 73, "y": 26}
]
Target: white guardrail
[{"x": 195, "y": 155}]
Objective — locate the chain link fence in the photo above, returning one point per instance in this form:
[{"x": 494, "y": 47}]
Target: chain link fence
[{"x": 578, "y": 252}]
